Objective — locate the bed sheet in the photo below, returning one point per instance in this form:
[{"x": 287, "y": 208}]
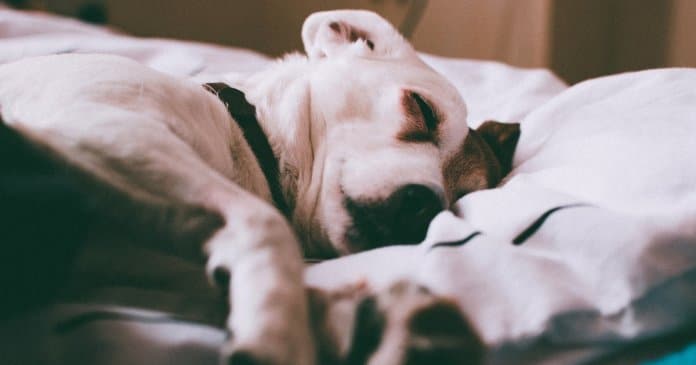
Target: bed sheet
[
  {"x": 586, "y": 253},
  {"x": 589, "y": 248}
]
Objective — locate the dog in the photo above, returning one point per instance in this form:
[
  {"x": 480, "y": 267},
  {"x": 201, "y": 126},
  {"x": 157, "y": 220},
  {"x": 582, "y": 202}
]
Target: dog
[{"x": 354, "y": 145}]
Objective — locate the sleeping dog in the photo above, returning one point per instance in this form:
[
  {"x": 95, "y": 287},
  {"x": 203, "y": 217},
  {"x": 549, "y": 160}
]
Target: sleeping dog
[{"x": 355, "y": 145}]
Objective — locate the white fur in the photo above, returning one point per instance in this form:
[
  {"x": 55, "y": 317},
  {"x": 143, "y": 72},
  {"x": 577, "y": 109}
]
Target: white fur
[
  {"x": 332, "y": 118},
  {"x": 335, "y": 115}
]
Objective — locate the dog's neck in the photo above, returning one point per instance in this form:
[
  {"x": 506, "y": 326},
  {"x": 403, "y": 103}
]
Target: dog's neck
[
  {"x": 281, "y": 96},
  {"x": 244, "y": 114}
]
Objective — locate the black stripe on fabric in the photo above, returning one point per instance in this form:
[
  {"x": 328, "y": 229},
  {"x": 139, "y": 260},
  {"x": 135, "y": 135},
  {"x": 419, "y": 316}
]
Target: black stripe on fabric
[
  {"x": 456, "y": 243},
  {"x": 534, "y": 227},
  {"x": 89, "y": 317}
]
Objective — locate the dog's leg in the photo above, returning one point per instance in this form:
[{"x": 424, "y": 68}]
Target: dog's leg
[
  {"x": 246, "y": 237},
  {"x": 257, "y": 249},
  {"x": 402, "y": 324}
]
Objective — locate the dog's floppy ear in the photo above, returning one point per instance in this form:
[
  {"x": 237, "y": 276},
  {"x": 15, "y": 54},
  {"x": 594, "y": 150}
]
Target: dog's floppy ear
[
  {"x": 484, "y": 158},
  {"x": 359, "y": 33},
  {"x": 502, "y": 140}
]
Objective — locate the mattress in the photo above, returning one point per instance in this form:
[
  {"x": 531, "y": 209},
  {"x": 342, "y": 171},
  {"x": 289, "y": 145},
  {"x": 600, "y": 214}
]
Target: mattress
[{"x": 586, "y": 253}]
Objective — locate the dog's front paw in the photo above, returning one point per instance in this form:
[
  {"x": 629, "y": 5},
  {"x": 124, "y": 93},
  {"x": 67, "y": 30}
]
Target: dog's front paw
[
  {"x": 421, "y": 328},
  {"x": 257, "y": 260},
  {"x": 403, "y": 324},
  {"x": 243, "y": 357},
  {"x": 294, "y": 349}
]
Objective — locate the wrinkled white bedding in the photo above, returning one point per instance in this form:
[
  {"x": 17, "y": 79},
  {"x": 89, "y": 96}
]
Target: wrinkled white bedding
[
  {"x": 597, "y": 219},
  {"x": 586, "y": 251}
]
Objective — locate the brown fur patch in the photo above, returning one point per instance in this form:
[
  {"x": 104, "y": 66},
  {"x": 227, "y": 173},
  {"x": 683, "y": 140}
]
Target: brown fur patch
[
  {"x": 473, "y": 167},
  {"x": 484, "y": 158},
  {"x": 502, "y": 139}
]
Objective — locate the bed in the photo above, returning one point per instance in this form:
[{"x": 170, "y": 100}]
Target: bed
[{"x": 586, "y": 254}]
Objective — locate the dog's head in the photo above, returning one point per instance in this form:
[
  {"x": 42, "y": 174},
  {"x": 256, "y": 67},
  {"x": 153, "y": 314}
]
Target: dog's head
[{"x": 373, "y": 143}]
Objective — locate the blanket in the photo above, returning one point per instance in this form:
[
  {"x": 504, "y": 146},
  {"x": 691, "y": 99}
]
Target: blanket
[
  {"x": 591, "y": 241},
  {"x": 586, "y": 253}
]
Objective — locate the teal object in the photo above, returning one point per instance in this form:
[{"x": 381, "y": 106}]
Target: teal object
[{"x": 683, "y": 357}]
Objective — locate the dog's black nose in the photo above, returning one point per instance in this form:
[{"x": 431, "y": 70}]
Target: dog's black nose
[
  {"x": 402, "y": 218},
  {"x": 411, "y": 208}
]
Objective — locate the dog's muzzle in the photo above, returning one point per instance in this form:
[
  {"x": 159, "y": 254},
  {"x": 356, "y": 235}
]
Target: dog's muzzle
[{"x": 402, "y": 218}]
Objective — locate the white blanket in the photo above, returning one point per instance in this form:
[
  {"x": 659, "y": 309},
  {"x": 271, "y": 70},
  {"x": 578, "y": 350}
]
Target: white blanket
[
  {"x": 587, "y": 250},
  {"x": 597, "y": 218}
]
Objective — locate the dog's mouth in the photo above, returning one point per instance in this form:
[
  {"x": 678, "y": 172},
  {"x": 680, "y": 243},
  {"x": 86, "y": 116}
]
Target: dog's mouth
[{"x": 402, "y": 218}]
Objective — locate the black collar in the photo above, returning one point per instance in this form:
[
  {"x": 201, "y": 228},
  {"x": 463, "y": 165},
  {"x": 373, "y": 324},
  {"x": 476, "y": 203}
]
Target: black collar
[{"x": 245, "y": 115}]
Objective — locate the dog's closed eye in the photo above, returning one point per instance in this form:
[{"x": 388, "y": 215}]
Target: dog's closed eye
[{"x": 421, "y": 119}]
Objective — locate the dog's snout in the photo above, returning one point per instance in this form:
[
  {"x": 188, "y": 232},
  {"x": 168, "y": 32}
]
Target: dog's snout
[
  {"x": 412, "y": 207},
  {"x": 401, "y": 218}
]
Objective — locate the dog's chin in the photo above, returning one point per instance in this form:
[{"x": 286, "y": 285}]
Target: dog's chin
[
  {"x": 358, "y": 232},
  {"x": 375, "y": 224},
  {"x": 349, "y": 240},
  {"x": 354, "y": 240},
  {"x": 364, "y": 230}
]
